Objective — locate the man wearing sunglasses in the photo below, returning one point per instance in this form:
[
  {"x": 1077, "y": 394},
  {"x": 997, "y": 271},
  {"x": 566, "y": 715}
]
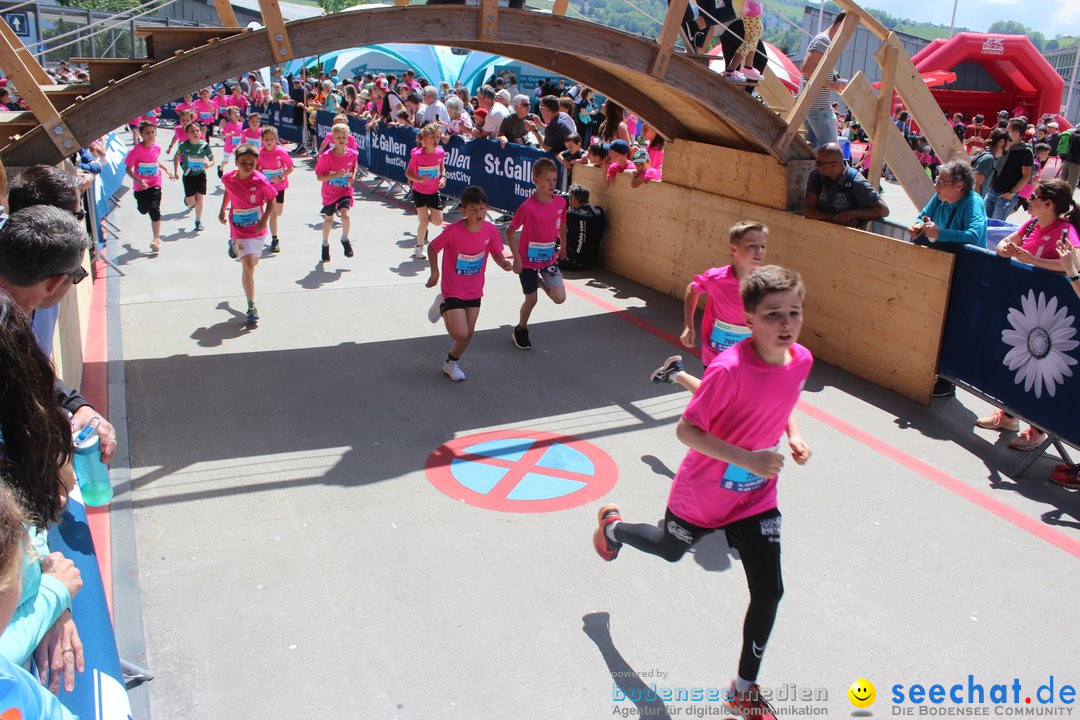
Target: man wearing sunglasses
[
  {"x": 42, "y": 249},
  {"x": 840, "y": 194}
]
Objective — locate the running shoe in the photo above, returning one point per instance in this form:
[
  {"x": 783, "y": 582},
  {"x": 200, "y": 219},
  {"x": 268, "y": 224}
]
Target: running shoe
[
  {"x": 453, "y": 370},
  {"x": 326, "y": 253},
  {"x": 751, "y": 73},
  {"x": 155, "y": 246},
  {"x": 418, "y": 253},
  {"x": 1029, "y": 439},
  {"x": 667, "y": 371},
  {"x": 433, "y": 313},
  {"x": 735, "y": 76},
  {"x": 231, "y": 250},
  {"x": 1069, "y": 479},
  {"x": 749, "y": 704},
  {"x": 198, "y": 226},
  {"x": 275, "y": 247},
  {"x": 998, "y": 420},
  {"x": 252, "y": 314},
  {"x": 348, "y": 247},
  {"x": 944, "y": 388},
  {"x": 604, "y": 547},
  {"x": 521, "y": 338},
  {"x": 220, "y": 172}
]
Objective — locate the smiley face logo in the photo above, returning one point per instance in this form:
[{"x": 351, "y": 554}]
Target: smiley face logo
[{"x": 862, "y": 693}]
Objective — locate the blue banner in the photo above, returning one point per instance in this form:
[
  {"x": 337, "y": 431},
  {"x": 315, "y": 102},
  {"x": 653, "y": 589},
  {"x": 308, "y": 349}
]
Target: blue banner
[
  {"x": 112, "y": 174},
  {"x": 1012, "y": 333}
]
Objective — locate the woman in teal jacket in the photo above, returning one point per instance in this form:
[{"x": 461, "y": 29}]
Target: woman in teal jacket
[{"x": 956, "y": 213}]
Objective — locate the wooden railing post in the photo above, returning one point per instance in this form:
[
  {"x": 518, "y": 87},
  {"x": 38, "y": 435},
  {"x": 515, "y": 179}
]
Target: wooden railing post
[
  {"x": 225, "y": 13},
  {"x": 668, "y": 34},
  {"x": 31, "y": 63},
  {"x": 489, "y": 20},
  {"x": 276, "y": 32},
  {"x": 883, "y": 117},
  {"x": 35, "y": 97},
  {"x": 560, "y": 7}
]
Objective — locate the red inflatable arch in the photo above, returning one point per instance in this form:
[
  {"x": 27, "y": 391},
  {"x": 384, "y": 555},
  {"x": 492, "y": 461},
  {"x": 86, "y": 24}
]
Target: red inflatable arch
[{"x": 1025, "y": 77}]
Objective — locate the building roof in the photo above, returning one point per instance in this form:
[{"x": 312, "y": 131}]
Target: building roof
[{"x": 289, "y": 11}]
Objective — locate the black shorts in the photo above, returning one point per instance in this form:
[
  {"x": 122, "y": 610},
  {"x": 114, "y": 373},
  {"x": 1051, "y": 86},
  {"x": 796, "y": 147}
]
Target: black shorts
[
  {"x": 333, "y": 208},
  {"x": 453, "y": 303},
  {"x": 208, "y": 131},
  {"x": 194, "y": 184},
  {"x": 530, "y": 277},
  {"x": 434, "y": 201},
  {"x": 280, "y": 197},
  {"x": 148, "y": 202}
]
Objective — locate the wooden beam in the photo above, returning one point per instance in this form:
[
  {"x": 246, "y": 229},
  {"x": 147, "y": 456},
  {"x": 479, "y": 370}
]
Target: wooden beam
[
  {"x": 921, "y": 104},
  {"x": 401, "y": 3},
  {"x": 816, "y": 82},
  {"x": 668, "y": 34},
  {"x": 860, "y": 97},
  {"x": 883, "y": 116},
  {"x": 225, "y": 13},
  {"x": 774, "y": 92},
  {"x": 40, "y": 76},
  {"x": 560, "y": 7},
  {"x": 276, "y": 32},
  {"x": 872, "y": 23},
  {"x": 489, "y": 20},
  {"x": 36, "y": 99}
]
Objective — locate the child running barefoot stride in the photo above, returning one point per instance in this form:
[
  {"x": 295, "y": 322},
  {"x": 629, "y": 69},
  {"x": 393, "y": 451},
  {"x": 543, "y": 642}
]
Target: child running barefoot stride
[
  {"x": 194, "y": 156},
  {"x": 251, "y": 198},
  {"x": 542, "y": 221},
  {"x": 144, "y": 167},
  {"x": 465, "y": 247},
  {"x": 426, "y": 172},
  {"x": 727, "y": 481},
  {"x": 336, "y": 170},
  {"x": 276, "y": 164}
]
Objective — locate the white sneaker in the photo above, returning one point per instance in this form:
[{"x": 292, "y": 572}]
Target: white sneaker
[
  {"x": 433, "y": 313},
  {"x": 453, "y": 370},
  {"x": 419, "y": 253},
  {"x": 735, "y": 76}
]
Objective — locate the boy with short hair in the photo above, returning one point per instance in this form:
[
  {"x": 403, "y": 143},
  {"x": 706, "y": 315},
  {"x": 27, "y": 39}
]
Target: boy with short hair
[
  {"x": 194, "y": 156},
  {"x": 542, "y": 221},
  {"x": 585, "y": 226},
  {"x": 728, "y": 478},
  {"x": 336, "y": 170},
  {"x": 643, "y": 170},
  {"x": 465, "y": 246},
  {"x": 618, "y": 160},
  {"x": 144, "y": 167},
  {"x": 573, "y": 155},
  {"x": 251, "y": 197}
]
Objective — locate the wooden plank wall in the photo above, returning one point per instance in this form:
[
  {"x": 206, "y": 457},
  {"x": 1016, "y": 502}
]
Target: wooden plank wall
[
  {"x": 875, "y": 306},
  {"x": 727, "y": 172},
  {"x": 69, "y": 339}
]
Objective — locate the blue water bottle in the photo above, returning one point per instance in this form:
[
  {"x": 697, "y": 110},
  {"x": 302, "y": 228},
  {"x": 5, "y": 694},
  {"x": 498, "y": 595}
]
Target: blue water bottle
[{"x": 91, "y": 474}]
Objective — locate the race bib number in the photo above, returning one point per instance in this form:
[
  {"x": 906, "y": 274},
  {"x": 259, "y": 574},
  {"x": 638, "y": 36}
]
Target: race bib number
[
  {"x": 469, "y": 264},
  {"x": 724, "y": 335},
  {"x": 204, "y": 115},
  {"x": 273, "y": 175},
  {"x": 740, "y": 479},
  {"x": 245, "y": 218},
  {"x": 252, "y": 141},
  {"x": 147, "y": 170},
  {"x": 428, "y": 172},
  {"x": 196, "y": 166},
  {"x": 541, "y": 252},
  {"x": 342, "y": 182}
]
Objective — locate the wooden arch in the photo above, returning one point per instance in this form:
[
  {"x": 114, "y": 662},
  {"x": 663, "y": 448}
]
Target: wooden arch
[{"x": 690, "y": 102}]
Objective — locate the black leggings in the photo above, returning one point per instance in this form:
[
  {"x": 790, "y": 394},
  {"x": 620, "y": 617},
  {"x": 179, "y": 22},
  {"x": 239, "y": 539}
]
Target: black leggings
[{"x": 757, "y": 538}]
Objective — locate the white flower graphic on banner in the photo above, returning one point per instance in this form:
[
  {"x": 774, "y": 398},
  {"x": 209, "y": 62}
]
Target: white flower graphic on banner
[{"x": 1040, "y": 337}]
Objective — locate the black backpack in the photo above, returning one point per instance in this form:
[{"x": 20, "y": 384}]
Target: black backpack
[{"x": 585, "y": 228}]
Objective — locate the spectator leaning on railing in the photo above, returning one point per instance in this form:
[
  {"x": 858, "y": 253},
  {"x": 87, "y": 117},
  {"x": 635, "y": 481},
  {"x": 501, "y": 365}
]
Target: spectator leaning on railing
[{"x": 956, "y": 213}]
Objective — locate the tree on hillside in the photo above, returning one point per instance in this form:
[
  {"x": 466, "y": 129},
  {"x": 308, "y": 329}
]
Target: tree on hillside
[{"x": 1012, "y": 27}]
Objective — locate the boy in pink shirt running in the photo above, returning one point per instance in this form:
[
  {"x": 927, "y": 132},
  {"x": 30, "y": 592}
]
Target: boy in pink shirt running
[
  {"x": 728, "y": 478},
  {"x": 465, "y": 247},
  {"x": 144, "y": 167},
  {"x": 250, "y": 198},
  {"x": 336, "y": 170},
  {"x": 542, "y": 221}
]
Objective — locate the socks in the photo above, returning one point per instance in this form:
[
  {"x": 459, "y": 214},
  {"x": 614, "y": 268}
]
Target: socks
[
  {"x": 326, "y": 242},
  {"x": 741, "y": 685},
  {"x": 451, "y": 358}
]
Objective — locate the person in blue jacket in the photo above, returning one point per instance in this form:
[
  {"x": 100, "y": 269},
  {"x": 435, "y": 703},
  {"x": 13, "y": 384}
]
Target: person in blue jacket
[{"x": 956, "y": 213}]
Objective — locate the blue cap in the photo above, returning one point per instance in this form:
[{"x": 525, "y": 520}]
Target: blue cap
[{"x": 619, "y": 146}]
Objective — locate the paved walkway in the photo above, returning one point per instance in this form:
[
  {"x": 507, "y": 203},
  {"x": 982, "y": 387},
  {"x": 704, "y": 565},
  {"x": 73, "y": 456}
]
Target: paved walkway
[{"x": 296, "y": 561}]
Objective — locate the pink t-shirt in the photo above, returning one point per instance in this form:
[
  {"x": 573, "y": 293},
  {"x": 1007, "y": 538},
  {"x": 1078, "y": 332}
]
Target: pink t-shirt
[
  {"x": 221, "y": 103},
  {"x": 252, "y": 136},
  {"x": 339, "y": 187},
  {"x": 239, "y": 101},
  {"x": 428, "y": 166},
  {"x": 273, "y": 164},
  {"x": 1043, "y": 243},
  {"x": 328, "y": 140},
  {"x": 144, "y": 163},
  {"x": 656, "y": 159},
  {"x": 651, "y": 175},
  {"x": 724, "y": 322},
  {"x": 230, "y": 135},
  {"x": 746, "y": 402},
  {"x": 179, "y": 134},
  {"x": 617, "y": 166},
  {"x": 540, "y": 224},
  {"x": 464, "y": 258},
  {"x": 246, "y": 200},
  {"x": 184, "y": 106},
  {"x": 205, "y": 111}
]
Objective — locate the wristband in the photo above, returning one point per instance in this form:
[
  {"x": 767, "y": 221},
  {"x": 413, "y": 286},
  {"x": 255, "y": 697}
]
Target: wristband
[{"x": 1074, "y": 278}]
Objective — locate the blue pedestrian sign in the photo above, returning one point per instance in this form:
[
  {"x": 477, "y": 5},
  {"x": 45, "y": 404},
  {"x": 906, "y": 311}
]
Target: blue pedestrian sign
[{"x": 19, "y": 22}]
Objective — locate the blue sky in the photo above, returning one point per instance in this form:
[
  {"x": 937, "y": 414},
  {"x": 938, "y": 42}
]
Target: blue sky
[{"x": 1051, "y": 18}]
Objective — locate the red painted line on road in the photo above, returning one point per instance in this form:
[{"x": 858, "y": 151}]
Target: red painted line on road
[
  {"x": 942, "y": 479},
  {"x": 95, "y": 388}
]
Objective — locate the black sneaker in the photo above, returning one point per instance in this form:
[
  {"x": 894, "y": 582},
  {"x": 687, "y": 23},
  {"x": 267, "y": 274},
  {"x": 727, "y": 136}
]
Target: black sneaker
[
  {"x": 252, "y": 315},
  {"x": 326, "y": 253},
  {"x": 232, "y": 250},
  {"x": 348, "y": 248},
  {"x": 944, "y": 388},
  {"x": 521, "y": 338},
  {"x": 665, "y": 372},
  {"x": 220, "y": 172},
  {"x": 274, "y": 247}
]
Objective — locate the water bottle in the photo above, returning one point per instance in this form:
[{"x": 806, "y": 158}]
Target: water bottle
[{"x": 92, "y": 474}]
